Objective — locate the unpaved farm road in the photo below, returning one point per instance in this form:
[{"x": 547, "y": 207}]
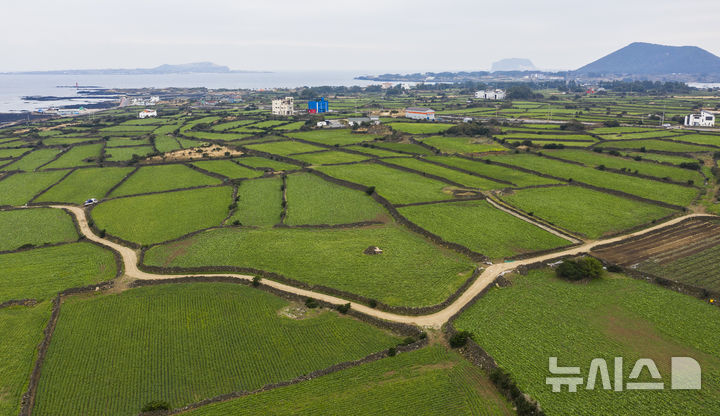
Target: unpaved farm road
[{"x": 435, "y": 320}]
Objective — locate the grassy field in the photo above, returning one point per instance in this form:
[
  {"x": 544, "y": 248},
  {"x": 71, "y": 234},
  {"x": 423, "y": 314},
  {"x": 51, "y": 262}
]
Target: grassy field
[
  {"x": 451, "y": 174},
  {"x": 585, "y": 211},
  {"x": 18, "y": 189},
  {"x": 166, "y": 144},
  {"x": 42, "y": 272},
  {"x": 420, "y": 128},
  {"x": 149, "y": 219},
  {"x": 284, "y": 148},
  {"x": 228, "y": 168},
  {"x": 646, "y": 188},
  {"x": 259, "y": 202},
  {"x": 33, "y": 160},
  {"x": 330, "y": 157},
  {"x": 403, "y": 147},
  {"x": 375, "y": 152},
  {"x": 85, "y": 155},
  {"x": 312, "y": 200},
  {"x": 261, "y": 162},
  {"x": 111, "y": 354},
  {"x": 123, "y": 154},
  {"x": 661, "y": 145},
  {"x": 291, "y": 126},
  {"x": 482, "y": 228},
  {"x": 22, "y": 330},
  {"x": 397, "y": 186},
  {"x": 711, "y": 139},
  {"x": 163, "y": 178},
  {"x": 35, "y": 226},
  {"x": 699, "y": 269},
  {"x": 518, "y": 178},
  {"x": 12, "y": 153},
  {"x": 411, "y": 271},
  {"x": 612, "y": 317},
  {"x": 333, "y": 136},
  {"x": 463, "y": 145},
  {"x": 127, "y": 141},
  {"x": 83, "y": 184},
  {"x": 431, "y": 381}
]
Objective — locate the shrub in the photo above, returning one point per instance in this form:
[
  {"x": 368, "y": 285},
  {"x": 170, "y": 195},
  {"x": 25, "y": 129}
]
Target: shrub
[
  {"x": 407, "y": 341},
  {"x": 370, "y": 190},
  {"x": 311, "y": 303},
  {"x": 392, "y": 351},
  {"x": 614, "y": 268},
  {"x": 256, "y": 281},
  {"x": 584, "y": 268},
  {"x": 343, "y": 308},
  {"x": 156, "y": 405},
  {"x": 690, "y": 165},
  {"x": 459, "y": 339},
  {"x": 236, "y": 222},
  {"x": 372, "y": 303},
  {"x": 102, "y": 233},
  {"x": 611, "y": 123}
]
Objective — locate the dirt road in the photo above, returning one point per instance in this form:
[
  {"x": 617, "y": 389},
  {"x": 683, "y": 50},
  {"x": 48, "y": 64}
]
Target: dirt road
[{"x": 435, "y": 320}]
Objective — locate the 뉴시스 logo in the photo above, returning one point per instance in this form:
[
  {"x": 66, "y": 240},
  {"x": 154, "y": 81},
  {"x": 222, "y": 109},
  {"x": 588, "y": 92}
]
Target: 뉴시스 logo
[{"x": 685, "y": 375}]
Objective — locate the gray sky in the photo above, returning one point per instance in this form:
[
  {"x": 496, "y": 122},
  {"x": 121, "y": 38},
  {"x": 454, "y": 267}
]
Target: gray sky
[{"x": 368, "y": 35}]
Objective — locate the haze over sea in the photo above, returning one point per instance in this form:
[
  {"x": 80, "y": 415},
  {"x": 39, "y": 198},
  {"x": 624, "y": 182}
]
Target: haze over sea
[{"x": 14, "y": 86}]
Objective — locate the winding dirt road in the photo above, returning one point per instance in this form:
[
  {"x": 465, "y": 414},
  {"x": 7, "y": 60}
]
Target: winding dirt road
[{"x": 435, "y": 320}]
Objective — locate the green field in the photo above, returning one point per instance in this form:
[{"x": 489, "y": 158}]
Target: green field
[
  {"x": 166, "y": 144},
  {"x": 149, "y": 219},
  {"x": 33, "y": 160},
  {"x": 333, "y": 136},
  {"x": 22, "y": 330},
  {"x": 403, "y": 147},
  {"x": 163, "y": 178},
  {"x": 431, "y": 381},
  {"x": 228, "y": 168},
  {"x": 19, "y": 188},
  {"x": 375, "y": 151},
  {"x": 329, "y": 157},
  {"x": 312, "y": 200},
  {"x": 259, "y": 202},
  {"x": 83, "y": 184},
  {"x": 516, "y": 177},
  {"x": 411, "y": 271},
  {"x": 127, "y": 141},
  {"x": 463, "y": 145},
  {"x": 39, "y": 226},
  {"x": 585, "y": 211},
  {"x": 284, "y": 148},
  {"x": 42, "y": 272},
  {"x": 661, "y": 145},
  {"x": 420, "y": 128},
  {"x": 451, "y": 174},
  {"x": 611, "y": 317},
  {"x": 698, "y": 269},
  {"x": 12, "y": 153},
  {"x": 397, "y": 186},
  {"x": 111, "y": 354},
  {"x": 85, "y": 155},
  {"x": 261, "y": 162},
  {"x": 123, "y": 154},
  {"x": 482, "y": 228}
]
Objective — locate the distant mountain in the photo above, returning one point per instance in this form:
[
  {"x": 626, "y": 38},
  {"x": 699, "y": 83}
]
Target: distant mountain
[
  {"x": 192, "y": 68},
  {"x": 647, "y": 59},
  {"x": 513, "y": 64}
]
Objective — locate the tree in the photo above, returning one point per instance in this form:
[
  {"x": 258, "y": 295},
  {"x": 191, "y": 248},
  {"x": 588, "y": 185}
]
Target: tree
[
  {"x": 459, "y": 339},
  {"x": 584, "y": 268}
]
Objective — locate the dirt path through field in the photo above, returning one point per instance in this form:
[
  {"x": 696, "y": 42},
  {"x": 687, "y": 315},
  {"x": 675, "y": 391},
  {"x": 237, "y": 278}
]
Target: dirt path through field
[{"x": 435, "y": 320}]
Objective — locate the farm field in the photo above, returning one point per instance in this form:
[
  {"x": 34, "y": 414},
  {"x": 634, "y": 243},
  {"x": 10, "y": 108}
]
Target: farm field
[
  {"x": 160, "y": 333},
  {"x": 122, "y": 154},
  {"x": 333, "y": 137},
  {"x": 259, "y": 202},
  {"x": 150, "y": 219},
  {"x": 33, "y": 160},
  {"x": 515, "y": 177},
  {"x": 83, "y": 184},
  {"x": 657, "y": 145},
  {"x": 397, "y": 186},
  {"x": 403, "y": 147},
  {"x": 614, "y": 316},
  {"x": 20, "y": 227},
  {"x": 431, "y": 381},
  {"x": 261, "y": 162},
  {"x": 20, "y": 188},
  {"x": 22, "y": 329},
  {"x": 687, "y": 253},
  {"x": 482, "y": 228},
  {"x": 284, "y": 148},
  {"x": 376, "y": 151},
  {"x": 329, "y": 157},
  {"x": 411, "y": 271},
  {"x": 85, "y": 155},
  {"x": 461, "y": 178},
  {"x": 162, "y": 178},
  {"x": 313, "y": 200},
  {"x": 227, "y": 168},
  {"x": 585, "y": 211},
  {"x": 41, "y": 273},
  {"x": 420, "y": 128},
  {"x": 462, "y": 145}
]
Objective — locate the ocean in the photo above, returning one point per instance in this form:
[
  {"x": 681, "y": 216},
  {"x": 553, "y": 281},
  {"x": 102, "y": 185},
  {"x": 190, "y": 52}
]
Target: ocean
[{"x": 14, "y": 86}]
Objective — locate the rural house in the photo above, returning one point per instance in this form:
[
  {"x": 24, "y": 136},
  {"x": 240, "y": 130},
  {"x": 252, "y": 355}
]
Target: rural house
[
  {"x": 704, "y": 119},
  {"x": 420, "y": 113}
]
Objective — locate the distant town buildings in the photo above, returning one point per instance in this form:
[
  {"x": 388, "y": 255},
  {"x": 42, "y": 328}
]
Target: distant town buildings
[
  {"x": 420, "y": 113},
  {"x": 283, "y": 106},
  {"x": 356, "y": 121},
  {"x": 490, "y": 95},
  {"x": 145, "y": 101},
  {"x": 704, "y": 119},
  {"x": 147, "y": 113},
  {"x": 318, "y": 106}
]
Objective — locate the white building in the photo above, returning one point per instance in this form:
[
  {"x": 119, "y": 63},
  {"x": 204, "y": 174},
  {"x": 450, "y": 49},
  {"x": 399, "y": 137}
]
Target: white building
[
  {"x": 144, "y": 101},
  {"x": 283, "y": 106},
  {"x": 704, "y": 119},
  {"x": 147, "y": 113},
  {"x": 490, "y": 95},
  {"x": 420, "y": 113}
]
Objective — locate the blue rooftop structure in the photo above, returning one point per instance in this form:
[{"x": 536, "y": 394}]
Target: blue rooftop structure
[{"x": 318, "y": 106}]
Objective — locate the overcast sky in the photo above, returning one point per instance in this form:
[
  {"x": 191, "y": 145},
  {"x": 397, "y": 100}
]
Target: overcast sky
[{"x": 369, "y": 35}]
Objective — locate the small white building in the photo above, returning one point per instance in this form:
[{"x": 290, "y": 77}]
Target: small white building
[
  {"x": 704, "y": 119},
  {"x": 147, "y": 113},
  {"x": 420, "y": 113},
  {"x": 490, "y": 95},
  {"x": 283, "y": 106}
]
